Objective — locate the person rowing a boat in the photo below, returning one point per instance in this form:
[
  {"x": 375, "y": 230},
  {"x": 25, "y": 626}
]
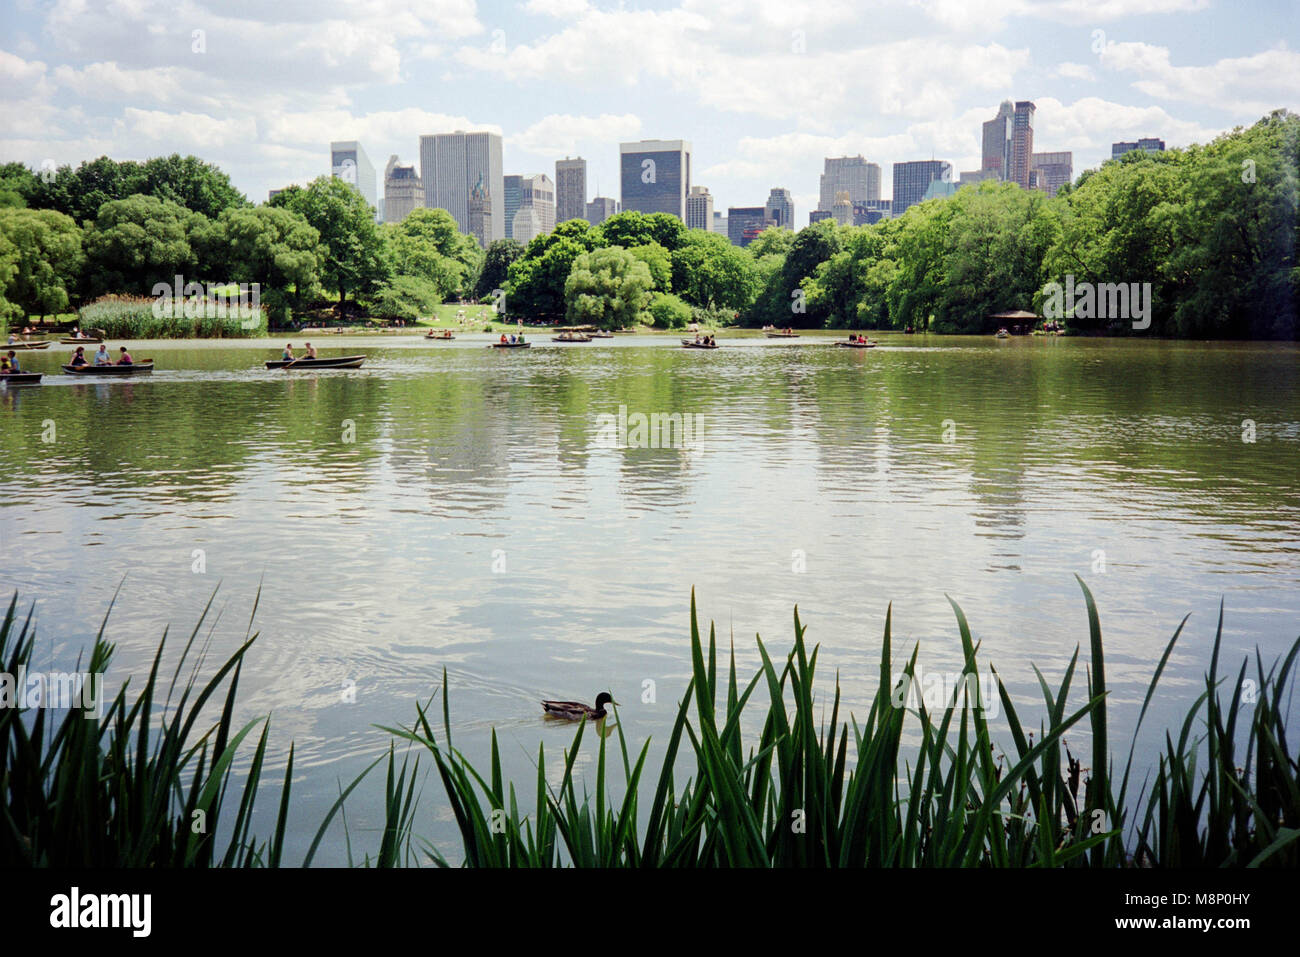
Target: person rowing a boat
[
  {"x": 102, "y": 357},
  {"x": 12, "y": 338},
  {"x": 310, "y": 352},
  {"x": 124, "y": 358},
  {"x": 78, "y": 357}
]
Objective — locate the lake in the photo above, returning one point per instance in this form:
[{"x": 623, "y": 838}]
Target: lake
[{"x": 453, "y": 506}]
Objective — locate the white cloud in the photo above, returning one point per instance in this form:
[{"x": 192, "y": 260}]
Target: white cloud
[
  {"x": 1075, "y": 71},
  {"x": 1257, "y": 83},
  {"x": 564, "y": 134},
  {"x": 556, "y": 8}
]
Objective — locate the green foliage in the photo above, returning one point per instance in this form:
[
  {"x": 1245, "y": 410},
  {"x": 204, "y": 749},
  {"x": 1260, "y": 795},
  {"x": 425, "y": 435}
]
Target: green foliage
[
  {"x": 405, "y": 297},
  {"x": 608, "y": 288},
  {"x": 536, "y": 280},
  {"x": 669, "y": 312},
  {"x": 427, "y": 245},
  {"x": 46, "y": 260},
  {"x": 632, "y": 228},
  {"x": 276, "y": 248},
  {"x": 496, "y": 265},
  {"x": 660, "y": 265},
  {"x": 709, "y": 271},
  {"x": 782, "y": 300},
  {"x": 137, "y": 242},
  {"x": 184, "y": 180},
  {"x": 133, "y": 317},
  {"x": 353, "y": 260}
]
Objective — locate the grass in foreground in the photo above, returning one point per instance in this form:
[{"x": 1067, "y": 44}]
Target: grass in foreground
[{"x": 146, "y": 785}]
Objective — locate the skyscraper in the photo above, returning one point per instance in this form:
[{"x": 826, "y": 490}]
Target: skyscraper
[
  {"x": 850, "y": 174},
  {"x": 538, "y": 193},
  {"x": 998, "y": 135},
  {"x": 480, "y": 213},
  {"x": 842, "y": 208},
  {"x": 348, "y": 162},
  {"x": 570, "y": 189},
  {"x": 780, "y": 207},
  {"x": 450, "y": 165},
  {"x": 1057, "y": 169},
  {"x": 1022, "y": 143},
  {"x": 744, "y": 223},
  {"x": 1150, "y": 144},
  {"x": 912, "y": 179},
  {"x": 656, "y": 176},
  {"x": 514, "y": 190},
  {"x": 600, "y": 209},
  {"x": 699, "y": 208},
  {"x": 403, "y": 191}
]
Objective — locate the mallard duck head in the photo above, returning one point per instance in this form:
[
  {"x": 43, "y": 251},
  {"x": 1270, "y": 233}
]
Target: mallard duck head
[{"x": 603, "y": 699}]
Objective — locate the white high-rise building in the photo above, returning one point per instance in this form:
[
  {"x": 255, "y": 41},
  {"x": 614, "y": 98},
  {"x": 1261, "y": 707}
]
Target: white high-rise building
[
  {"x": 852, "y": 175},
  {"x": 699, "y": 208},
  {"x": 538, "y": 192},
  {"x": 349, "y": 162},
  {"x": 450, "y": 166},
  {"x": 527, "y": 225}
]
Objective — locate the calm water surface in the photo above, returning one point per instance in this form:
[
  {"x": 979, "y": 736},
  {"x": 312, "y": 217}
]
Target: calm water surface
[{"x": 476, "y": 523}]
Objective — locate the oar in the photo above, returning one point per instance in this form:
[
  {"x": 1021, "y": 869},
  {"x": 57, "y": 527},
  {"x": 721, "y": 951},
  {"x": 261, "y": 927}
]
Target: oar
[{"x": 291, "y": 364}]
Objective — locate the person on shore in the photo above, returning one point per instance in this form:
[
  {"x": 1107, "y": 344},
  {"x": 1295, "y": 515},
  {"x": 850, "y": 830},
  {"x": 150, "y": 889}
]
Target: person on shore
[
  {"x": 78, "y": 357},
  {"x": 102, "y": 357},
  {"x": 310, "y": 352},
  {"x": 124, "y": 357},
  {"x": 287, "y": 354}
]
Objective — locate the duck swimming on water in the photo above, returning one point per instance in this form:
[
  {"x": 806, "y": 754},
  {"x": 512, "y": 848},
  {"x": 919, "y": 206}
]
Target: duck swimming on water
[{"x": 576, "y": 710}]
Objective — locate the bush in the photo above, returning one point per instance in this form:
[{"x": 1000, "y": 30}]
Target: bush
[
  {"x": 669, "y": 312},
  {"x": 132, "y": 317},
  {"x": 405, "y": 297},
  {"x": 713, "y": 316}
]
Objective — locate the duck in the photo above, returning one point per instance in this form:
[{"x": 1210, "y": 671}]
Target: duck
[{"x": 576, "y": 710}]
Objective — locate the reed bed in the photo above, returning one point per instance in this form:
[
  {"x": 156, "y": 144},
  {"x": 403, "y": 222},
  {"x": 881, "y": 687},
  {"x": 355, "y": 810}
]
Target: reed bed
[
  {"x": 132, "y": 317},
  {"x": 147, "y": 784}
]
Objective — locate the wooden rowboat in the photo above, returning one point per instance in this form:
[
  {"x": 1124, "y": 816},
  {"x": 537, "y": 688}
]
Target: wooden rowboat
[
  {"x": 569, "y": 337},
  {"x": 81, "y": 340},
  {"x": 20, "y": 378},
  {"x": 692, "y": 344},
  {"x": 143, "y": 367},
  {"x": 437, "y": 338},
  {"x": 857, "y": 345},
  {"x": 782, "y": 335},
  {"x": 20, "y": 346},
  {"x": 510, "y": 345},
  {"x": 336, "y": 362},
  {"x": 603, "y": 334}
]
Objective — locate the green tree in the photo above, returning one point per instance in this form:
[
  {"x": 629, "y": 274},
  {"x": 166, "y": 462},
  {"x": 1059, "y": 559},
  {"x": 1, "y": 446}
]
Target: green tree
[
  {"x": 276, "y": 248},
  {"x": 709, "y": 271},
  {"x": 48, "y": 259},
  {"x": 353, "y": 261},
  {"x": 536, "y": 280},
  {"x": 669, "y": 312},
  {"x": 139, "y": 241},
  {"x": 660, "y": 264},
  {"x": 428, "y": 245},
  {"x": 496, "y": 264},
  {"x": 608, "y": 288},
  {"x": 632, "y": 228},
  {"x": 405, "y": 297}
]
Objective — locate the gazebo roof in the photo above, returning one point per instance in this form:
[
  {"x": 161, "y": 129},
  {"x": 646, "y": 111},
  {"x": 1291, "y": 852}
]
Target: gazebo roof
[{"x": 1014, "y": 314}]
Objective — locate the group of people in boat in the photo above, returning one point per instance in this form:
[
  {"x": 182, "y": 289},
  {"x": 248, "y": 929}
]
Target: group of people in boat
[
  {"x": 309, "y": 352},
  {"x": 705, "y": 340},
  {"x": 513, "y": 340},
  {"x": 9, "y": 363},
  {"x": 854, "y": 337},
  {"x": 102, "y": 357}
]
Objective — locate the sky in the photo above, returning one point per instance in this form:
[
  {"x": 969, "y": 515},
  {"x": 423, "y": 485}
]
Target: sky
[{"x": 762, "y": 89}]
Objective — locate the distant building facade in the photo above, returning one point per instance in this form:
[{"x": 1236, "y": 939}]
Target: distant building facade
[
  {"x": 600, "y": 209},
  {"x": 452, "y": 163},
  {"x": 1022, "y": 143},
  {"x": 719, "y": 223},
  {"x": 348, "y": 162},
  {"x": 1057, "y": 169},
  {"x": 538, "y": 192},
  {"x": 527, "y": 225},
  {"x": 570, "y": 189},
  {"x": 997, "y": 141},
  {"x": 699, "y": 208},
  {"x": 655, "y": 176},
  {"x": 780, "y": 207},
  {"x": 849, "y": 174},
  {"x": 1150, "y": 144},
  {"x": 480, "y": 213},
  {"x": 971, "y": 176},
  {"x": 514, "y": 190},
  {"x": 913, "y": 178},
  {"x": 744, "y": 223},
  {"x": 403, "y": 191},
  {"x": 842, "y": 209}
]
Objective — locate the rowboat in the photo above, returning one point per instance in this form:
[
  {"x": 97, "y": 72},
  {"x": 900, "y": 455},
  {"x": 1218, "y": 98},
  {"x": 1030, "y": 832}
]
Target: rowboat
[
  {"x": 569, "y": 337},
  {"x": 692, "y": 344},
  {"x": 857, "y": 345},
  {"x": 1001, "y": 334},
  {"x": 20, "y": 378},
  {"x": 510, "y": 345},
  {"x": 782, "y": 335},
  {"x": 436, "y": 338},
  {"x": 336, "y": 362},
  {"x": 603, "y": 334},
  {"x": 81, "y": 340},
  {"x": 20, "y": 346},
  {"x": 143, "y": 367}
]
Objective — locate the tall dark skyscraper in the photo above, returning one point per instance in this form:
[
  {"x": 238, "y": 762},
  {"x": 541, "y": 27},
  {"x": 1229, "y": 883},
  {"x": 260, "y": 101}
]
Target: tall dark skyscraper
[
  {"x": 911, "y": 180},
  {"x": 1022, "y": 144},
  {"x": 998, "y": 135},
  {"x": 570, "y": 189},
  {"x": 655, "y": 176},
  {"x": 513, "y": 186}
]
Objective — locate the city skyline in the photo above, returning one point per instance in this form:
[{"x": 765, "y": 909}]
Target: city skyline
[{"x": 200, "y": 79}]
